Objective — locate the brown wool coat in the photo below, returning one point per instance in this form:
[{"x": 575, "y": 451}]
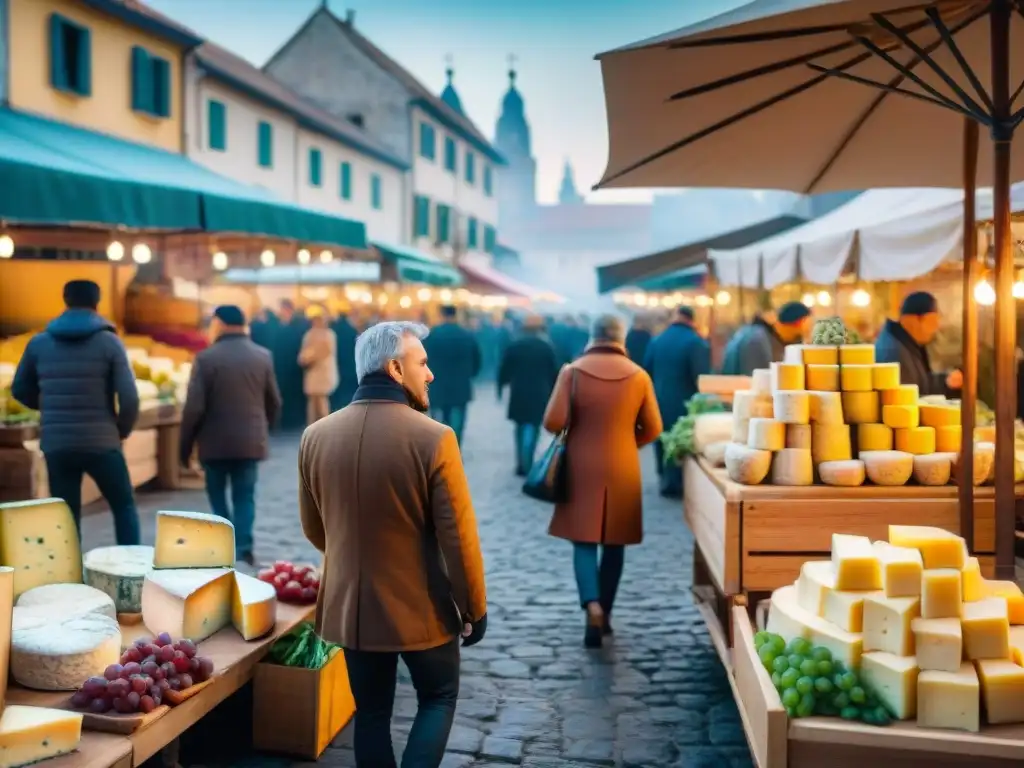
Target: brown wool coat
[
  {"x": 382, "y": 493},
  {"x": 614, "y": 414}
]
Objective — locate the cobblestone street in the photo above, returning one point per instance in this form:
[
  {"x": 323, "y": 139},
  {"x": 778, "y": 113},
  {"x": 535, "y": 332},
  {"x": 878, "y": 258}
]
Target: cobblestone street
[{"x": 531, "y": 695}]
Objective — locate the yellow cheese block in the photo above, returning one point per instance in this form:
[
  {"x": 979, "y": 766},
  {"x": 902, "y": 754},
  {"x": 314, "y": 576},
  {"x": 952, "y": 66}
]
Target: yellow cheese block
[
  {"x": 188, "y": 602},
  {"x": 894, "y": 680},
  {"x": 830, "y": 442},
  {"x": 798, "y": 436},
  {"x": 939, "y": 548},
  {"x": 938, "y": 644},
  {"x": 941, "y": 593},
  {"x": 766, "y": 435},
  {"x": 823, "y": 378},
  {"x": 37, "y": 540},
  {"x": 846, "y": 609},
  {"x": 856, "y": 354},
  {"x": 986, "y": 627},
  {"x": 32, "y": 734},
  {"x": 972, "y": 580},
  {"x": 1002, "y": 690},
  {"x": 900, "y": 416},
  {"x": 901, "y": 569},
  {"x": 253, "y": 606},
  {"x": 747, "y": 404},
  {"x": 860, "y": 407},
  {"x": 949, "y": 699},
  {"x": 885, "y": 375},
  {"x": 1017, "y": 645},
  {"x": 904, "y": 394},
  {"x": 1009, "y": 591},
  {"x": 915, "y": 440},
  {"x": 826, "y": 407},
  {"x": 947, "y": 439},
  {"x": 788, "y": 619},
  {"x": 855, "y": 378},
  {"x": 791, "y": 407},
  {"x": 787, "y": 376},
  {"x": 193, "y": 540},
  {"x": 887, "y": 623},
  {"x": 874, "y": 437},
  {"x": 817, "y": 354},
  {"x": 817, "y": 578},
  {"x": 857, "y": 565},
  {"x": 940, "y": 415}
]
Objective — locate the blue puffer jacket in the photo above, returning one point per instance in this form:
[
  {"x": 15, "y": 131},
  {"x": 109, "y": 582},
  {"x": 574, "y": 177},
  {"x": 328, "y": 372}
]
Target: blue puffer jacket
[{"x": 71, "y": 373}]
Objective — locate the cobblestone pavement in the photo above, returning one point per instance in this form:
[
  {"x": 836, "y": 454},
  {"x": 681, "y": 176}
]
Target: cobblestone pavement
[{"x": 531, "y": 694}]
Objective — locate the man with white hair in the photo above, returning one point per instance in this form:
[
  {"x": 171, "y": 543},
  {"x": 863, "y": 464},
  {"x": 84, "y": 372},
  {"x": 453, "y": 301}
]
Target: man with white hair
[{"x": 383, "y": 495}]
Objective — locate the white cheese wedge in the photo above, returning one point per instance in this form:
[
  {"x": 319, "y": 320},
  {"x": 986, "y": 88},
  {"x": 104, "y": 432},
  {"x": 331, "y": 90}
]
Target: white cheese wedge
[
  {"x": 894, "y": 680},
  {"x": 32, "y": 734},
  {"x": 193, "y": 540},
  {"x": 817, "y": 578},
  {"x": 39, "y": 540},
  {"x": 71, "y": 599},
  {"x": 887, "y": 624},
  {"x": 788, "y": 619},
  {"x": 119, "y": 572},
  {"x": 949, "y": 699},
  {"x": 938, "y": 644},
  {"x": 59, "y": 652},
  {"x": 253, "y": 606},
  {"x": 188, "y": 603}
]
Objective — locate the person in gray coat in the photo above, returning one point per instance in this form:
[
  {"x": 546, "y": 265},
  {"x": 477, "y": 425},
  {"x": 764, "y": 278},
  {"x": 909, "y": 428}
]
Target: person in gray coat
[
  {"x": 77, "y": 375},
  {"x": 762, "y": 342},
  {"x": 905, "y": 341},
  {"x": 232, "y": 401}
]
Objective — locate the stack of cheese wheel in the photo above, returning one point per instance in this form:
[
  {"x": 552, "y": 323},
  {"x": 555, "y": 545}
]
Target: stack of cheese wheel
[{"x": 931, "y": 637}]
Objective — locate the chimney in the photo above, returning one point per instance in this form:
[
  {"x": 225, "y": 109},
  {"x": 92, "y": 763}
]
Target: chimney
[{"x": 350, "y": 17}]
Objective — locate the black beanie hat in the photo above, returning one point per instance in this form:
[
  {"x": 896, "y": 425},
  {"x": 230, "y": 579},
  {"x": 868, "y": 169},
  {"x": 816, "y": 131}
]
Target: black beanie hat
[
  {"x": 793, "y": 312},
  {"x": 919, "y": 303},
  {"x": 686, "y": 312},
  {"x": 229, "y": 314},
  {"x": 81, "y": 294}
]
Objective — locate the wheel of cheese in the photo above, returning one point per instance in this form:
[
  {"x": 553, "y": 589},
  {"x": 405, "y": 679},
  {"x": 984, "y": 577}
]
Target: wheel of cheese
[
  {"x": 822, "y": 378},
  {"x": 71, "y": 599},
  {"x": 740, "y": 430},
  {"x": 889, "y": 468},
  {"x": 119, "y": 572},
  {"x": 860, "y": 407},
  {"x": 934, "y": 468},
  {"x": 939, "y": 415},
  {"x": 746, "y": 465},
  {"x": 901, "y": 416},
  {"x": 948, "y": 439},
  {"x": 787, "y": 376},
  {"x": 856, "y": 354},
  {"x": 811, "y": 354},
  {"x": 715, "y": 453},
  {"x": 791, "y": 407},
  {"x": 747, "y": 404},
  {"x": 874, "y": 437},
  {"x": 885, "y": 375},
  {"x": 855, "y": 378},
  {"x": 984, "y": 462},
  {"x": 904, "y": 394},
  {"x": 767, "y": 435},
  {"x": 798, "y": 436},
  {"x": 830, "y": 442},
  {"x": 842, "y": 474},
  {"x": 916, "y": 440},
  {"x": 59, "y": 652},
  {"x": 826, "y": 407},
  {"x": 761, "y": 381},
  {"x": 792, "y": 466}
]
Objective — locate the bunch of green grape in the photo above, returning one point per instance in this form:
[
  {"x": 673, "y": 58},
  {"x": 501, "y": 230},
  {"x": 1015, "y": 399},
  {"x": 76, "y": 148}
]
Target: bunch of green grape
[{"x": 811, "y": 682}]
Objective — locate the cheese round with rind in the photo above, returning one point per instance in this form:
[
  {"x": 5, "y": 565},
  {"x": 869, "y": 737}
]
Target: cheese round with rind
[
  {"x": 798, "y": 435},
  {"x": 746, "y": 465},
  {"x": 874, "y": 437},
  {"x": 984, "y": 461},
  {"x": 889, "y": 468},
  {"x": 933, "y": 415},
  {"x": 901, "y": 416},
  {"x": 822, "y": 378},
  {"x": 69, "y": 599},
  {"x": 767, "y": 434},
  {"x": 747, "y": 404},
  {"x": 791, "y": 407},
  {"x": 842, "y": 474},
  {"x": 904, "y": 394},
  {"x": 856, "y": 354},
  {"x": 860, "y": 407},
  {"x": 787, "y": 376},
  {"x": 933, "y": 468},
  {"x": 916, "y": 440},
  {"x": 59, "y": 652},
  {"x": 885, "y": 375},
  {"x": 119, "y": 572},
  {"x": 793, "y": 467},
  {"x": 826, "y": 407},
  {"x": 740, "y": 430},
  {"x": 855, "y": 378},
  {"x": 948, "y": 439},
  {"x": 761, "y": 381}
]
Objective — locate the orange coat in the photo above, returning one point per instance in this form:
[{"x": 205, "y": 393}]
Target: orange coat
[{"x": 614, "y": 414}]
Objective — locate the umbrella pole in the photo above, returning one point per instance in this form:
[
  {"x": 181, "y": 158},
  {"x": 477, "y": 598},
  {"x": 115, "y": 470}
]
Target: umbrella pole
[
  {"x": 1005, "y": 310},
  {"x": 970, "y": 335}
]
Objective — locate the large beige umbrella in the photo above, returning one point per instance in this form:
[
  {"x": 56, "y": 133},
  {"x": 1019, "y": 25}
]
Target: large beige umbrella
[{"x": 826, "y": 95}]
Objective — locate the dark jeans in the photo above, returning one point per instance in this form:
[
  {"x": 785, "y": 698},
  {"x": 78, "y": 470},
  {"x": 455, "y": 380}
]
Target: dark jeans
[
  {"x": 109, "y": 471},
  {"x": 454, "y": 417},
  {"x": 598, "y": 582},
  {"x": 241, "y": 474},
  {"x": 670, "y": 476},
  {"x": 527, "y": 436},
  {"x": 372, "y": 676}
]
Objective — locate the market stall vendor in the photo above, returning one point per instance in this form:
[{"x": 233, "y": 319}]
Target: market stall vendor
[
  {"x": 905, "y": 341},
  {"x": 762, "y": 342}
]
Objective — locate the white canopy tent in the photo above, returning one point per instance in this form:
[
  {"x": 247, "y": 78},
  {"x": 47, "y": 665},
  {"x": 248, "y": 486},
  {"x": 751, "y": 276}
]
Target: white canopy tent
[{"x": 895, "y": 234}]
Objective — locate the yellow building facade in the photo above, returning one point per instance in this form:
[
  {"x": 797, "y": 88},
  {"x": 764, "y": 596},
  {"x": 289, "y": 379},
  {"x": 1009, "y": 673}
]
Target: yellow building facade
[{"x": 80, "y": 64}]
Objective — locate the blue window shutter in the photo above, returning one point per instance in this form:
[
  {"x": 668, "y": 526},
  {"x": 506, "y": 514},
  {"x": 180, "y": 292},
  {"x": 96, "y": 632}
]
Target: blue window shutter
[
  {"x": 427, "y": 141},
  {"x": 489, "y": 239},
  {"x": 266, "y": 144},
  {"x": 161, "y": 72},
  {"x": 83, "y": 73},
  {"x": 449, "y": 154},
  {"x": 488, "y": 181},
  {"x": 442, "y": 223},
  {"x": 470, "y": 167},
  {"x": 471, "y": 233},
  {"x": 346, "y": 181},
  {"x": 142, "y": 100},
  {"x": 58, "y": 64},
  {"x": 314, "y": 167},
  {"x": 375, "y": 192},
  {"x": 422, "y": 217},
  {"x": 216, "y": 125}
]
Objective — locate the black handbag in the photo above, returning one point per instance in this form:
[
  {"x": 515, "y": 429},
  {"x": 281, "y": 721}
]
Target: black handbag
[{"x": 548, "y": 478}]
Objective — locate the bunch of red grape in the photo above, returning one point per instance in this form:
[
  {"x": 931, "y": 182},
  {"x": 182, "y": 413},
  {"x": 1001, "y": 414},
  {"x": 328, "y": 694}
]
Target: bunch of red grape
[
  {"x": 148, "y": 669},
  {"x": 293, "y": 583}
]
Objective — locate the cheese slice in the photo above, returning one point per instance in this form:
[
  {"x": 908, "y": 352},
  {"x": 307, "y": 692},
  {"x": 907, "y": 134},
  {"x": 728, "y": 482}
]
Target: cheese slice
[
  {"x": 986, "y": 629},
  {"x": 874, "y": 437},
  {"x": 894, "y": 681},
  {"x": 193, "y": 540},
  {"x": 787, "y": 376},
  {"x": 788, "y": 619},
  {"x": 40, "y": 541},
  {"x": 887, "y": 624},
  {"x": 938, "y": 644},
  {"x": 817, "y": 578},
  {"x": 253, "y": 606},
  {"x": 1002, "y": 688},
  {"x": 857, "y": 566},
  {"x": 949, "y": 699},
  {"x": 904, "y": 394},
  {"x": 1009, "y": 591},
  {"x": 941, "y": 593},
  {"x": 900, "y": 416},
  {"x": 939, "y": 548},
  {"x": 188, "y": 603},
  {"x": 860, "y": 407},
  {"x": 972, "y": 581},
  {"x": 856, "y": 354},
  {"x": 119, "y": 572},
  {"x": 70, "y": 599},
  {"x": 823, "y": 378},
  {"x": 939, "y": 415},
  {"x": 57, "y": 652},
  {"x": 6, "y": 617},
  {"x": 915, "y": 440},
  {"x": 901, "y": 569},
  {"x": 32, "y": 734}
]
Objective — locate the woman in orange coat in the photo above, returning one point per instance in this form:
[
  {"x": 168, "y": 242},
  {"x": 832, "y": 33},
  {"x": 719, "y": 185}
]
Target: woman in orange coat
[{"x": 607, "y": 403}]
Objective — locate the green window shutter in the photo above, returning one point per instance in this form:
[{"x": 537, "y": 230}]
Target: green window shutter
[
  {"x": 427, "y": 141},
  {"x": 421, "y": 223},
  {"x": 346, "y": 181},
  {"x": 58, "y": 63},
  {"x": 443, "y": 217},
  {"x": 142, "y": 80},
  {"x": 449, "y": 154},
  {"x": 161, "y": 72},
  {"x": 470, "y": 167},
  {"x": 265, "y": 136},
  {"x": 488, "y": 180},
  {"x": 83, "y": 67},
  {"x": 217, "y": 125},
  {"x": 376, "y": 192},
  {"x": 315, "y": 160},
  {"x": 471, "y": 233},
  {"x": 490, "y": 238}
]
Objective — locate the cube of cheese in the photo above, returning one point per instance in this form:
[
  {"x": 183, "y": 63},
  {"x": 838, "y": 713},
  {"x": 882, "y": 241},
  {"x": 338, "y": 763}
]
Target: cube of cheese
[
  {"x": 1011, "y": 593},
  {"x": 823, "y": 378},
  {"x": 874, "y": 437},
  {"x": 938, "y": 644},
  {"x": 817, "y": 578},
  {"x": 972, "y": 581},
  {"x": 941, "y": 594},
  {"x": 940, "y": 415},
  {"x": 885, "y": 375},
  {"x": 788, "y": 619},
  {"x": 1002, "y": 689},
  {"x": 916, "y": 440},
  {"x": 787, "y": 376},
  {"x": 948, "y": 439},
  {"x": 901, "y": 569},
  {"x": 193, "y": 540},
  {"x": 846, "y": 609},
  {"x": 904, "y": 394},
  {"x": 949, "y": 699},
  {"x": 856, "y": 354},
  {"x": 894, "y": 680},
  {"x": 900, "y": 416},
  {"x": 32, "y": 734},
  {"x": 192, "y": 603},
  {"x": 986, "y": 629},
  {"x": 857, "y": 566},
  {"x": 939, "y": 548},
  {"x": 860, "y": 407},
  {"x": 887, "y": 624},
  {"x": 855, "y": 378}
]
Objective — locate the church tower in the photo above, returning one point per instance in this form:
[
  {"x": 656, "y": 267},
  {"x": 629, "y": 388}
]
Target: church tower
[
  {"x": 568, "y": 194},
  {"x": 517, "y": 180},
  {"x": 449, "y": 95}
]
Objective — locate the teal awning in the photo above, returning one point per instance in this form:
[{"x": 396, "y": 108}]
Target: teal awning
[
  {"x": 57, "y": 174},
  {"x": 689, "y": 278},
  {"x": 414, "y": 266}
]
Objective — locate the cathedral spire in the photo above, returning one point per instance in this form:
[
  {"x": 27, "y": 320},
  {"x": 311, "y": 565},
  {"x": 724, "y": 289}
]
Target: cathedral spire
[
  {"x": 568, "y": 194},
  {"x": 449, "y": 95}
]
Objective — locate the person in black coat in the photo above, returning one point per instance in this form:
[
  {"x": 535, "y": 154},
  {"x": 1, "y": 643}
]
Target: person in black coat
[
  {"x": 638, "y": 338},
  {"x": 529, "y": 368},
  {"x": 287, "y": 345},
  {"x": 347, "y": 335},
  {"x": 454, "y": 357},
  {"x": 905, "y": 341}
]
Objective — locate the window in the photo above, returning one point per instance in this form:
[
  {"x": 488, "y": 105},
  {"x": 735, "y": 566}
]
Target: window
[
  {"x": 151, "y": 83},
  {"x": 470, "y": 168},
  {"x": 490, "y": 239},
  {"x": 471, "y": 241},
  {"x": 443, "y": 221},
  {"x": 216, "y": 125},
  {"x": 346, "y": 181},
  {"x": 428, "y": 141},
  {"x": 70, "y": 56},
  {"x": 421, "y": 217},
  {"x": 376, "y": 192},
  {"x": 488, "y": 180},
  {"x": 449, "y": 154},
  {"x": 265, "y": 140},
  {"x": 315, "y": 161}
]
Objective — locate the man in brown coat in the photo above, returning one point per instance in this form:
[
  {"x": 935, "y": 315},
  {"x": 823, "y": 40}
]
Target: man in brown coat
[{"x": 383, "y": 495}]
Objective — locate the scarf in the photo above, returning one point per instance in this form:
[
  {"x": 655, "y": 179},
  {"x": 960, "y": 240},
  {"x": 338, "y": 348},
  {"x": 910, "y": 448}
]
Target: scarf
[{"x": 379, "y": 386}]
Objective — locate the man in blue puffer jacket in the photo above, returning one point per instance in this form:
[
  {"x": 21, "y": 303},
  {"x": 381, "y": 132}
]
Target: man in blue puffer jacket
[{"x": 77, "y": 375}]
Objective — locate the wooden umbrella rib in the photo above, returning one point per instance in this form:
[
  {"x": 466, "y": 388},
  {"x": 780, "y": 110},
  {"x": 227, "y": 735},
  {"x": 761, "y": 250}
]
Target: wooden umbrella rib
[
  {"x": 954, "y": 49},
  {"x": 759, "y": 37}
]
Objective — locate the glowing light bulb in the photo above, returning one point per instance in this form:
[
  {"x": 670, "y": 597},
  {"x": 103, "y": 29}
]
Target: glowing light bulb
[
  {"x": 984, "y": 293},
  {"x": 423, "y": 294},
  {"x": 141, "y": 254},
  {"x": 824, "y": 299},
  {"x": 807, "y": 300},
  {"x": 6, "y": 246},
  {"x": 860, "y": 298},
  {"x": 405, "y": 302},
  {"x": 303, "y": 256},
  {"x": 446, "y": 295},
  {"x": 326, "y": 257},
  {"x": 1018, "y": 289},
  {"x": 220, "y": 261},
  {"x": 723, "y": 298},
  {"x": 115, "y": 251},
  {"x": 267, "y": 258}
]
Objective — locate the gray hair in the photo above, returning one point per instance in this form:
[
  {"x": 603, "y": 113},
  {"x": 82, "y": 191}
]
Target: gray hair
[
  {"x": 381, "y": 343},
  {"x": 608, "y": 328}
]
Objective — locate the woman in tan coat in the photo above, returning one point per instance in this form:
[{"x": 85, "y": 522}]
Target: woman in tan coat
[
  {"x": 319, "y": 360},
  {"x": 607, "y": 403}
]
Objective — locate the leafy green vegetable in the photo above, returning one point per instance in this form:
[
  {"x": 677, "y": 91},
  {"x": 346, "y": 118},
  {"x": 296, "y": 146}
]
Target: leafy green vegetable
[
  {"x": 830, "y": 331},
  {"x": 678, "y": 441},
  {"x": 302, "y": 647}
]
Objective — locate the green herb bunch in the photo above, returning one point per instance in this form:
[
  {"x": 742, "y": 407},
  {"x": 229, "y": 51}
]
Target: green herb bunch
[{"x": 678, "y": 441}]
